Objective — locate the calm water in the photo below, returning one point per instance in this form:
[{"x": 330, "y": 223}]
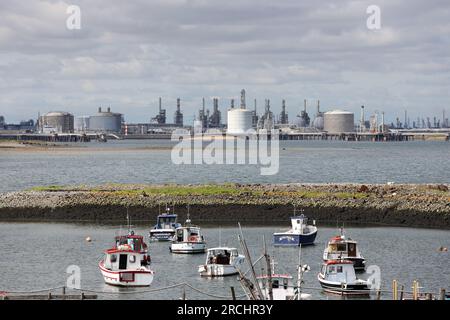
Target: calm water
[
  {"x": 300, "y": 161},
  {"x": 36, "y": 255}
]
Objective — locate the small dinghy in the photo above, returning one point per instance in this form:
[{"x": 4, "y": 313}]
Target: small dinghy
[
  {"x": 338, "y": 276},
  {"x": 220, "y": 262},
  {"x": 188, "y": 239},
  {"x": 300, "y": 234},
  {"x": 340, "y": 247},
  {"x": 165, "y": 227}
]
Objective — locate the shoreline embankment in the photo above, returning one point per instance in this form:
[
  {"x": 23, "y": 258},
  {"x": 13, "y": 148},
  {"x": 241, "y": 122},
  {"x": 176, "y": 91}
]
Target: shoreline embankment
[{"x": 408, "y": 205}]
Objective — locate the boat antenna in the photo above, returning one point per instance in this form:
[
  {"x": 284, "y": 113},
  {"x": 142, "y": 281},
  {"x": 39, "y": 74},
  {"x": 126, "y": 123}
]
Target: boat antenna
[
  {"x": 188, "y": 220},
  {"x": 128, "y": 221}
]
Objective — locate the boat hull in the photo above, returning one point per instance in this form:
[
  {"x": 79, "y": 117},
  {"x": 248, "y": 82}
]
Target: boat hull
[
  {"x": 188, "y": 247},
  {"x": 291, "y": 239},
  {"x": 161, "y": 234},
  {"x": 347, "y": 289},
  {"x": 217, "y": 270},
  {"x": 127, "y": 278}
]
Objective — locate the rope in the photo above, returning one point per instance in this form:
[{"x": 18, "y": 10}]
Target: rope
[{"x": 33, "y": 291}]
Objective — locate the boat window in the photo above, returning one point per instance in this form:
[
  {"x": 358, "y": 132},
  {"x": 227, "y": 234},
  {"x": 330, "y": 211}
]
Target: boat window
[
  {"x": 132, "y": 258},
  {"x": 298, "y": 221},
  {"x": 113, "y": 258},
  {"x": 331, "y": 269},
  {"x": 339, "y": 269},
  {"x": 341, "y": 247},
  {"x": 285, "y": 283},
  {"x": 275, "y": 284}
]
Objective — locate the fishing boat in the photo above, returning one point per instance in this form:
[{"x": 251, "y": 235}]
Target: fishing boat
[
  {"x": 127, "y": 263},
  {"x": 301, "y": 233},
  {"x": 165, "y": 227},
  {"x": 220, "y": 262},
  {"x": 341, "y": 247},
  {"x": 188, "y": 239},
  {"x": 338, "y": 276}
]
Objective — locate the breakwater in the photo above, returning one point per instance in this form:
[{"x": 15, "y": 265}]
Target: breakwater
[{"x": 412, "y": 205}]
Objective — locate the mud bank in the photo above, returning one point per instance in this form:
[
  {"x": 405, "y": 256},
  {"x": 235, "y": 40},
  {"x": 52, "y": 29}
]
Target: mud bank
[{"x": 395, "y": 205}]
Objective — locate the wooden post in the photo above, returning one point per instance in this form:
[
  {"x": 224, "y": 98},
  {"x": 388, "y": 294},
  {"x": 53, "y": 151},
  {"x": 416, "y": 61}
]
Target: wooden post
[
  {"x": 64, "y": 291},
  {"x": 82, "y": 295},
  {"x": 233, "y": 294},
  {"x": 401, "y": 292},
  {"x": 442, "y": 294},
  {"x": 378, "y": 294},
  {"x": 394, "y": 290},
  {"x": 415, "y": 290},
  {"x": 49, "y": 296}
]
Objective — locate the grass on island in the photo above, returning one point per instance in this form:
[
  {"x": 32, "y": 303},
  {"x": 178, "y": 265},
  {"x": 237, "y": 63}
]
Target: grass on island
[{"x": 199, "y": 190}]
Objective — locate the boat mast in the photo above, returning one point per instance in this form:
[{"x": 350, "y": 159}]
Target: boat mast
[
  {"x": 249, "y": 260},
  {"x": 269, "y": 270}
]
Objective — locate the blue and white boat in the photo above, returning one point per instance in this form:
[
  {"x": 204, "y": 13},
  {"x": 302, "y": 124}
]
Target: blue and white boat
[
  {"x": 301, "y": 233},
  {"x": 165, "y": 227}
]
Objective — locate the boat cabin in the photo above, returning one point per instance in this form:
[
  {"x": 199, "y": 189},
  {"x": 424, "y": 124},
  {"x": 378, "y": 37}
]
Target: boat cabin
[
  {"x": 135, "y": 242},
  {"x": 223, "y": 256},
  {"x": 341, "y": 245},
  {"x": 166, "y": 221},
  {"x": 339, "y": 271},
  {"x": 300, "y": 224},
  {"x": 188, "y": 234},
  {"x": 116, "y": 260},
  {"x": 282, "y": 287}
]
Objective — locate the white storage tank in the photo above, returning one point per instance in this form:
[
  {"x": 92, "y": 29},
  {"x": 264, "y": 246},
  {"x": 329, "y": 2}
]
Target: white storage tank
[
  {"x": 339, "y": 121},
  {"x": 58, "y": 121},
  {"x": 105, "y": 121},
  {"x": 81, "y": 124},
  {"x": 239, "y": 121}
]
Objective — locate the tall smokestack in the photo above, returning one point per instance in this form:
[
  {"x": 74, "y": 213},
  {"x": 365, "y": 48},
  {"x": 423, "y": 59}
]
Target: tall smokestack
[
  {"x": 304, "y": 107},
  {"x": 242, "y": 99},
  {"x": 159, "y": 103},
  {"x": 255, "y": 105},
  {"x": 318, "y": 106},
  {"x": 283, "y": 105},
  {"x": 99, "y": 109},
  {"x": 203, "y": 104},
  {"x": 178, "y": 104},
  {"x": 232, "y": 103},
  {"x": 362, "y": 123}
]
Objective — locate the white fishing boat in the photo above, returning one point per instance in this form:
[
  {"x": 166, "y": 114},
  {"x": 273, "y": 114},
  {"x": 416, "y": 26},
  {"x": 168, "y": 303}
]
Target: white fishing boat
[
  {"x": 127, "y": 263},
  {"x": 220, "y": 262},
  {"x": 188, "y": 239},
  {"x": 341, "y": 247},
  {"x": 338, "y": 276},
  {"x": 281, "y": 286}
]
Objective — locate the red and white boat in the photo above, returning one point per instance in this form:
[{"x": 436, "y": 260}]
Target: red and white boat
[{"x": 127, "y": 263}]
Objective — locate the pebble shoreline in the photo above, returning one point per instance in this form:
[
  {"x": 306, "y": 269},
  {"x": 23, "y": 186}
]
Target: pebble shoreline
[{"x": 409, "y": 205}]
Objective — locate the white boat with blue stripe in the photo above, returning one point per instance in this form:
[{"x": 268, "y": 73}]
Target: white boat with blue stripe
[{"x": 301, "y": 233}]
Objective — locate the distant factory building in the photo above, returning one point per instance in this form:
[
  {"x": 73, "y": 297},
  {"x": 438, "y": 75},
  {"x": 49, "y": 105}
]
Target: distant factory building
[
  {"x": 303, "y": 119},
  {"x": 203, "y": 115},
  {"x": 338, "y": 121},
  {"x": 81, "y": 124},
  {"x": 161, "y": 116},
  {"x": 239, "y": 119},
  {"x": 105, "y": 121},
  {"x": 214, "y": 120},
  {"x": 255, "y": 117},
  {"x": 318, "y": 121},
  {"x": 178, "y": 116},
  {"x": 56, "y": 122},
  {"x": 283, "y": 115},
  {"x": 267, "y": 120},
  {"x": 2, "y": 122}
]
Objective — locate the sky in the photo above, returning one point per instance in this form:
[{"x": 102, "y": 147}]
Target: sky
[{"x": 126, "y": 54}]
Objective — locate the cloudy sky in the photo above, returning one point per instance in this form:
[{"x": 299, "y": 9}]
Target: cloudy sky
[{"x": 128, "y": 53}]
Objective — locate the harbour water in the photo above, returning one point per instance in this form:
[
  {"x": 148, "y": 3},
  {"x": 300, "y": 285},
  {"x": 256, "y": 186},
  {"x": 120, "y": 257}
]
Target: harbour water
[
  {"x": 149, "y": 161},
  {"x": 35, "y": 256}
]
